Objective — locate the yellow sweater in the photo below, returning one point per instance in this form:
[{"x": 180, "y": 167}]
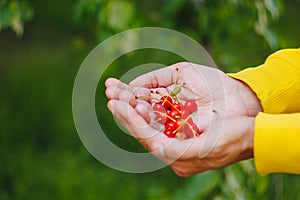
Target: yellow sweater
[{"x": 277, "y": 130}]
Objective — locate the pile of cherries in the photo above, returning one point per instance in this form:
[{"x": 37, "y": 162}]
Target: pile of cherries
[{"x": 176, "y": 116}]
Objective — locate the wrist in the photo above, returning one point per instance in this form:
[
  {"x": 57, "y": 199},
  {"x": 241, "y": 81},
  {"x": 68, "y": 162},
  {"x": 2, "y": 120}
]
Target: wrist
[{"x": 249, "y": 98}]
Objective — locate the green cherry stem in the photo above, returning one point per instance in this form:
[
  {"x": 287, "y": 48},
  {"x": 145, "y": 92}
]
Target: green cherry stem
[{"x": 176, "y": 90}]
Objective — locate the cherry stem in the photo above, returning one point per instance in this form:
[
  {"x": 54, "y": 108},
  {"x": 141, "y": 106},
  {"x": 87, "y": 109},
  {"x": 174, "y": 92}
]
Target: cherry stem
[
  {"x": 160, "y": 94},
  {"x": 171, "y": 103},
  {"x": 146, "y": 97},
  {"x": 176, "y": 99},
  {"x": 164, "y": 114},
  {"x": 176, "y": 90},
  {"x": 185, "y": 121},
  {"x": 156, "y": 120},
  {"x": 175, "y": 108},
  {"x": 191, "y": 127}
]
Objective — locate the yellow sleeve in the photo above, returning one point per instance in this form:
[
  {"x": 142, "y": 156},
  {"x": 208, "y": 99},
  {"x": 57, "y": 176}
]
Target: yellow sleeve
[
  {"x": 277, "y": 137},
  {"x": 277, "y": 143},
  {"x": 276, "y": 82}
]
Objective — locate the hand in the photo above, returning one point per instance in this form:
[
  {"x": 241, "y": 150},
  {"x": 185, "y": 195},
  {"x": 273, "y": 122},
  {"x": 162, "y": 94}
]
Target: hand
[
  {"x": 234, "y": 144},
  {"x": 238, "y": 99},
  {"x": 212, "y": 89}
]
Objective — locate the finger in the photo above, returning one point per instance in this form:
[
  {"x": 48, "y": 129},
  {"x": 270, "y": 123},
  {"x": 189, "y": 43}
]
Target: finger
[
  {"x": 133, "y": 94},
  {"x": 159, "y": 78},
  {"x": 113, "y": 82},
  {"x": 155, "y": 141},
  {"x": 154, "y": 95},
  {"x": 133, "y": 99},
  {"x": 112, "y": 92},
  {"x": 139, "y": 128},
  {"x": 142, "y": 109},
  {"x": 141, "y": 93},
  {"x": 188, "y": 168},
  {"x": 128, "y": 97},
  {"x": 131, "y": 120}
]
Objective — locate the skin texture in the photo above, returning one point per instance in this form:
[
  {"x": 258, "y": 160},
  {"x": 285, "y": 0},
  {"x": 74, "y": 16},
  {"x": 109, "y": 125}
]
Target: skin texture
[{"x": 223, "y": 102}]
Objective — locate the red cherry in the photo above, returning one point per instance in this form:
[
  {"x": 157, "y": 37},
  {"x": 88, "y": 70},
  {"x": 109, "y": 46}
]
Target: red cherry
[
  {"x": 166, "y": 101},
  {"x": 194, "y": 127},
  {"x": 158, "y": 107},
  {"x": 160, "y": 113},
  {"x": 195, "y": 130},
  {"x": 177, "y": 106},
  {"x": 185, "y": 112},
  {"x": 169, "y": 133},
  {"x": 162, "y": 119},
  {"x": 178, "y": 125},
  {"x": 170, "y": 125},
  {"x": 188, "y": 131},
  {"x": 174, "y": 114},
  {"x": 191, "y": 105}
]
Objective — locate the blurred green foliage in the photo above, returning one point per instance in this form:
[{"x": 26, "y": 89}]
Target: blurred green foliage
[
  {"x": 209, "y": 22},
  {"x": 13, "y": 14},
  {"x": 41, "y": 155}
]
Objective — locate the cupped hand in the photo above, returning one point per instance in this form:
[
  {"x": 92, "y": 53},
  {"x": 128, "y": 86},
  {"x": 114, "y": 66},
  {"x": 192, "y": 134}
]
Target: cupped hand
[
  {"x": 235, "y": 141},
  {"x": 214, "y": 92}
]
